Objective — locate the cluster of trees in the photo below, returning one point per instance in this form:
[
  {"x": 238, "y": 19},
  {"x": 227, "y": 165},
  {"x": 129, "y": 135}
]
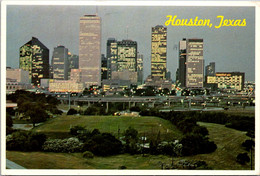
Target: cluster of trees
[
  {"x": 195, "y": 140},
  {"x": 25, "y": 141},
  {"x": 100, "y": 144},
  {"x": 32, "y": 106}
]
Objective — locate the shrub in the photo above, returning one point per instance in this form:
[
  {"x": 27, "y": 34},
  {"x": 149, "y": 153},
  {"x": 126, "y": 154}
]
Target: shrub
[
  {"x": 88, "y": 154},
  {"x": 122, "y": 167},
  {"x": 63, "y": 145},
  {"x": 103, "y": 145},
  {"x": 25, "y": 141},
  {"x": 74, "y": 130},
  {"x": 242, "y": 158},
  {"x": 248, "y": 144},
  {"x": 72, "y": 111}
]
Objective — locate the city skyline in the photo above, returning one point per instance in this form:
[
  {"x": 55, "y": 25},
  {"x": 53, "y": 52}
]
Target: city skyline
[{"x": 223, "y": 46}]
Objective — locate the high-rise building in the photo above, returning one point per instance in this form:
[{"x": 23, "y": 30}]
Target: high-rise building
[
  {"x": 60, "y": 63},
  {"x": 158, "y": 52},
  {"x": 111, "y": 56},
  {"x": 90, "y": 49},
  {"x": 34, "y": 57},
  {"x": 73, "y": 61},
  {"x": 124, "y": 60},
  {"x": 104, "y": 67},
  {"x": 127, "y": 55},
  {"x": 140, "y": 67},
  {"x": 194, "y": 63},
  {"x": 182, "y": 63},
  {"x": 210, "y": 69}
]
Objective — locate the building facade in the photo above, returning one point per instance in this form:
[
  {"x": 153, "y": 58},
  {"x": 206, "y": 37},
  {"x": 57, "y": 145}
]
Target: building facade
[
  {"x": 34, "y": 57},
  {"x": 111, "y": 55},
  {"x": 140, "y": 68},
  {"x": 228, "y": 80},
  {"x": 60, "y": 63},
  {"x": 194, "y": 63},
  {"x": 210, "y": 69},
  {"x": 159, "y": 52},
  {"x": 104, "y": 67},
  {"x": 182, "y": 63},
  {"x": 20, "y": 75},
  {"x": 90, "y": 49}
]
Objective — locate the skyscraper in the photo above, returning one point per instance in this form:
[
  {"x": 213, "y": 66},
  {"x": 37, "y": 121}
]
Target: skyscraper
[
  {"x": 90, "y": 49},
  {"x": 159, "y": 51},
  {"x": 104, "y": 68},
  {"x": 124, "y": 60},
  {"x": 182, "y": 63},
  {"x": 127, "y": 55},
  {"x": 210, "y": 69},
  {"x": 60, "y": 63},
  {"x": 111, "y": 56},
  {"x": 194, "y": 63},
  {"x": 140, "y": 67},
  {"x": 34, "y": 57}
]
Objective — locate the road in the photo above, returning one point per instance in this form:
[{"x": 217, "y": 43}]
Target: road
[{"x": 13, "y": 165}]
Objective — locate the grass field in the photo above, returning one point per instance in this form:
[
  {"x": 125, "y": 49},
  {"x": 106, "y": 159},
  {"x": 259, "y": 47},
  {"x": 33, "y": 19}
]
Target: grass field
[
  {"x": 148, "y": 125},
  {"x": 224, "y": 158}
]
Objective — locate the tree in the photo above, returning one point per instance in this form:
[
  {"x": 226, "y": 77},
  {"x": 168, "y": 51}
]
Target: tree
[
  {"x": 131, "y": 138},
  {"x": 242, "y": 158},
  {"x": 248, "y": 144},
  {"x": 36, "y": 114},
  {"x": 72, "y": 111}
]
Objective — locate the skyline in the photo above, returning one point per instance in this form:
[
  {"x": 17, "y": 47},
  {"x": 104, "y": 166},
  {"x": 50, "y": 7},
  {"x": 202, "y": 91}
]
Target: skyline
[{"x": 222, "y": 46}]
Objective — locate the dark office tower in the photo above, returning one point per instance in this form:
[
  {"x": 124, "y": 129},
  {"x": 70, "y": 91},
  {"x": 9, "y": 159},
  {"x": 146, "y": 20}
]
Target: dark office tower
[
  {"x": 140, "y": 68},
  {"x": 90, "y": 49},
  {"x": 182, "y": 64},
  {"x": 73, "y": 61},
  {"x": 127, "y": 56},
  {"x": 210, "y": 69},
  {"x": 194, "y": 63},
  {"x": 34, "y": 57},
  {"x": 168, "y": 75},
  {"x": 104, "y": 69},
  {"x": 111, "y": 55},
  {"x": 158, "y": 52},
  {"x": 60, "y": 63}
]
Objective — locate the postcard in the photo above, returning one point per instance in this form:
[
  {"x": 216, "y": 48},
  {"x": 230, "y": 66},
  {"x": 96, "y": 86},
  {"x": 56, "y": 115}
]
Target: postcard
[{"x": 129, "y": 88}]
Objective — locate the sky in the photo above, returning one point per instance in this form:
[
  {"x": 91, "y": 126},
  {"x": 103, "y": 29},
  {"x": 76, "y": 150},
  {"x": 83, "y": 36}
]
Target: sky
[{"x": 232, "y": 48}]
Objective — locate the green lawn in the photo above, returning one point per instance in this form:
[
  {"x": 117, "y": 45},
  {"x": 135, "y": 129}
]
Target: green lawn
[
  {"x": 224, "y": 158},
  {"x": 148, "y": 125}
]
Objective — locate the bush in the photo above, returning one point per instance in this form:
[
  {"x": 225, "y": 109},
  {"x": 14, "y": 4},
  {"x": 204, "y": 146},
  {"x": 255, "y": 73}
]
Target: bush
[
  {"x": 122, "y": 167},
  {"x": 72, "y": 111},
  {"x": 63, "y": 145},
  {"x": 88, "y": 154},
  {"x": 196, "y": 144},
  {"x": 74, "y": 130},
  {"x": 25, "y": 141},
  {"x": 103, "y": 144},
  {"x": 248, "y": 144},
  {"x": 242, "y": 158}
]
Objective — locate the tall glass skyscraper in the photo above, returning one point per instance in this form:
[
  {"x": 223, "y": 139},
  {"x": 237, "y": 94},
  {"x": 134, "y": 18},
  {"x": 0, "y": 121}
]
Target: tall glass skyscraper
[
  {"x": 60, "y": 63},
  {"x": 90, "y": 49},
  {"x": 159, "y": 52},
  {"x": 34, "y": 57}
]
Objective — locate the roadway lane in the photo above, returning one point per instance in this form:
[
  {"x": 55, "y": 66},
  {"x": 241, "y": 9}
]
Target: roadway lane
[{"x": 13, "y": 165}]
